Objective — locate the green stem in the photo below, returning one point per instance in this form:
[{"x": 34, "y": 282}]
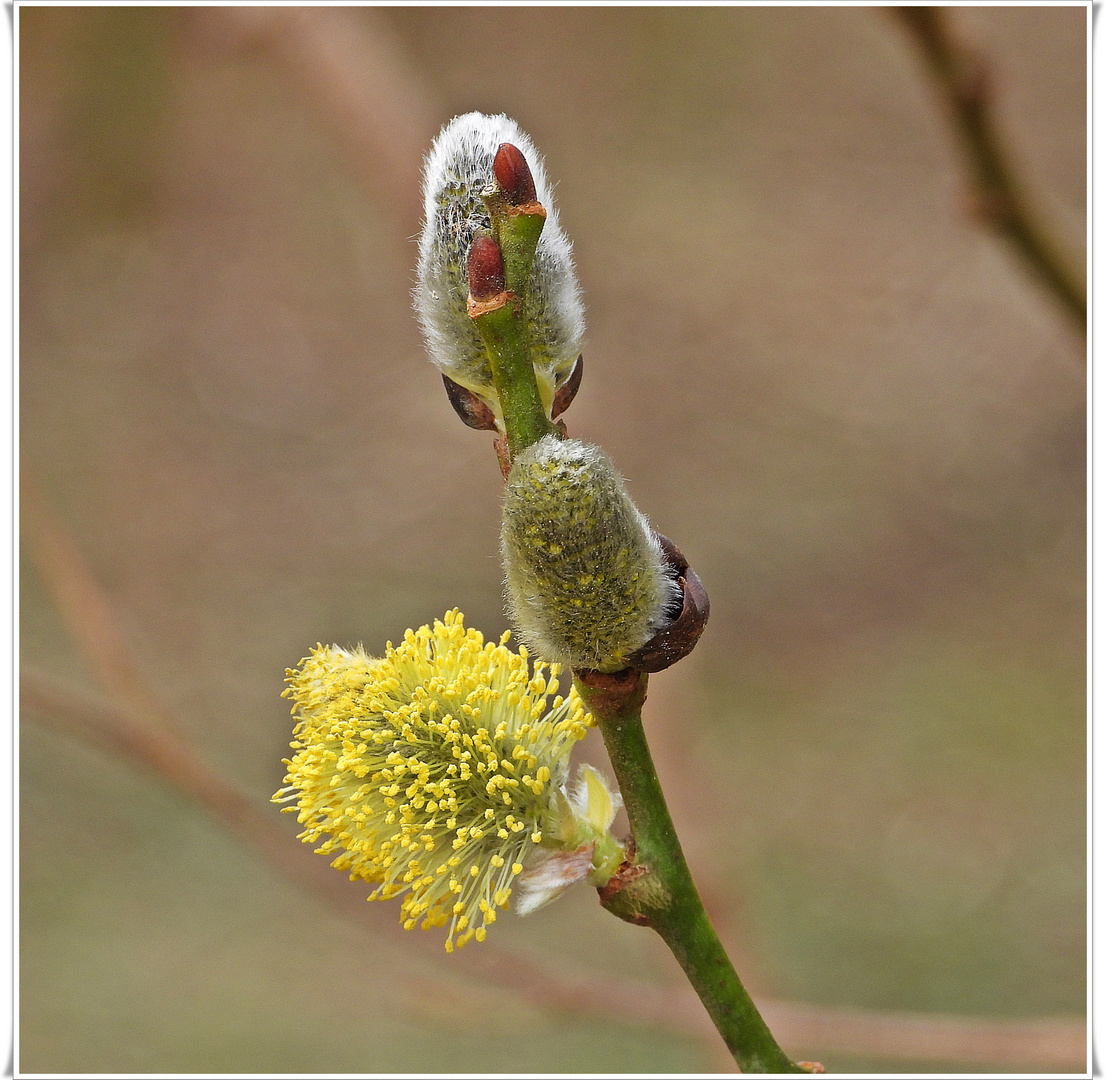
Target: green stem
[
  {"x": 664, "y": 896},
  {"x": 504, "y": 328},
  {"x": 504, "y": 332},
  {"x": 961, "y": 78},
  {"x": 659, "y": 890},
  {"x": 517, "y": 231}
]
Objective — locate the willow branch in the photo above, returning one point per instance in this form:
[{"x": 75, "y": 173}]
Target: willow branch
[
  {"x": 656, "y": 888},
  {"x": 961, "y": 77},
  {"x": 140, "y": 732},
  {"x": 499, "y": 275},
  {"x": 659, "y": 891}
]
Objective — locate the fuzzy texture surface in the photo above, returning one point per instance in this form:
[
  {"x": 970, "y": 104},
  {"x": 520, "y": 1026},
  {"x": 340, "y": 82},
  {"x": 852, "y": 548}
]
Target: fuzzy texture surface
[
  {"x": 431, "y": 772},
  {"x": 457, "y": 169},
  {"x": 587, "y": 584}
]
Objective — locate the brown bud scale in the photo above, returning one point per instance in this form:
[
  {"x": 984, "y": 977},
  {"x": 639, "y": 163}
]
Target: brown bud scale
[
  {"x": 613, "y": 692},
  {"x": 676, "y": 640},
  {"x": 474, "y": 412},
  {"x": 476, "y": 308},
  {"x": 530, "y": 209},
  {"x": 567, "y": 390},
  {"x": 627, "y": 872},
  {"x": 503, "y": 455}
]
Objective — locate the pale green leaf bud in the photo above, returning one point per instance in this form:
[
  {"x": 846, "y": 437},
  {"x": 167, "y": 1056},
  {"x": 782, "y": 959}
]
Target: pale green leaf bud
[
  {"x": 583, "y": 849},
  {"x": 587, "y": 581},
  {"x": 457, "y": 169}
]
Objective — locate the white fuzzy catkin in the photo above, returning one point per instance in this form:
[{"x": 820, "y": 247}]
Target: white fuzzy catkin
[
  {"x": 587, "y": 582},
  {"x": 457, "y": 169}
]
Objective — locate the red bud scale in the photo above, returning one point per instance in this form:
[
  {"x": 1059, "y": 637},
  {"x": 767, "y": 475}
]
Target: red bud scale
[
  {"x": 485, "y": 268},
  {"x": 513, "y": 175}
]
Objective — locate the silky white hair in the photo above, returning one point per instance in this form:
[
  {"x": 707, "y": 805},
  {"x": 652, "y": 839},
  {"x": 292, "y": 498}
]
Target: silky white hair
[{"x": 457, "y": 169}]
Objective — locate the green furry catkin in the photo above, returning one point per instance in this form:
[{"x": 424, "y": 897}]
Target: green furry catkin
[{"x": 587, "y": 584}]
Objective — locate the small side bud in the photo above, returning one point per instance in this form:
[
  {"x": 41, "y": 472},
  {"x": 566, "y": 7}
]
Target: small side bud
[
  {"x": 485, "y": 268},
  {"x": 513, "y": 175},
  {"x": 587, "y": 580},
  {"x": 636, "y": 894}
]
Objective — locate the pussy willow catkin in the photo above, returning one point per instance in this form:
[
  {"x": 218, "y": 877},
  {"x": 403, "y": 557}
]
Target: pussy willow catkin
[
  {"x": 587, "y": 584},
  {"x": 438, "y": 773},
  {"x": 457, "y": 169}
]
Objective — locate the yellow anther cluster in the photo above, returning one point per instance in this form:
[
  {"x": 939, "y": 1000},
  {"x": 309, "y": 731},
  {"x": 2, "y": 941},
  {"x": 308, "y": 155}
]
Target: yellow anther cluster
[{"x": 431, "y": 771}]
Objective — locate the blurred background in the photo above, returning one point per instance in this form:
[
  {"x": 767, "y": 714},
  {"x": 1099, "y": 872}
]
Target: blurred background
[{"x": 850, "y": 405}]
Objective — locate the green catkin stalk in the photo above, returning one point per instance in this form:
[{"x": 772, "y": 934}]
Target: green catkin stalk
[{"x": 587, "y": 583}]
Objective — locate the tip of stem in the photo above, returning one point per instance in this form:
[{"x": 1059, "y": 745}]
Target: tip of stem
[
  {"x": 485, "y": 268},
  {"x": 513, "y": 175}
]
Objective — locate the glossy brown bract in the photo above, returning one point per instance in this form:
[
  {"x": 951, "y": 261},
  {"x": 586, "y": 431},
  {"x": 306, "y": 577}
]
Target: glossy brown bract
[{"x": 676, "y": 640}]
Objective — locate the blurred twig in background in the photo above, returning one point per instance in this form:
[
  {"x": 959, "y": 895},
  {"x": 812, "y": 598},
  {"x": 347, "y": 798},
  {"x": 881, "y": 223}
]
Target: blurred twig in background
[
  {"x": 135, "y": 725},
  {"x": 139, "y": 730},
  {"x": 138, "y": 739},
  {"x": 962, "y": 78},
  {"x": 81, "y": 602},
  {"x": 350, "y": 69},
  {"x": 1049, "y": 1044}
]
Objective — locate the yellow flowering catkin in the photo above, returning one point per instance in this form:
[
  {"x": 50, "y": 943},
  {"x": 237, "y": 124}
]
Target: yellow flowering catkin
[
  {"x": 431, "y": 772},
  {"x": 587, "y": 583}
]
